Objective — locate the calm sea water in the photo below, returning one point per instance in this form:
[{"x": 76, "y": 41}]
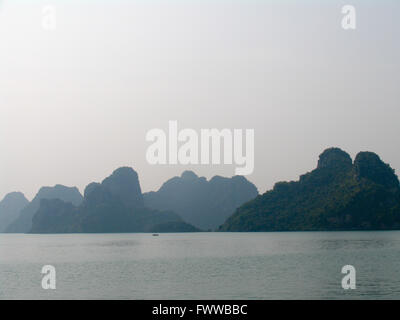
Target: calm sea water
[{"x": 298, "y": 265}]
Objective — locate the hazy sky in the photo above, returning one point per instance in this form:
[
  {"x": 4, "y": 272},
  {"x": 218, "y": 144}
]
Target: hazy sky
[{"x": 76, "y": 102}]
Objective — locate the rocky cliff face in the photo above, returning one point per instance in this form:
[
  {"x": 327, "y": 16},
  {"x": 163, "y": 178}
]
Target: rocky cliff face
[
  {"x": 205, "y": 204},
  {"x": 24, "y": 221},
  {"x": 334, "y": 158},
  {"x": 369, "y": 166},
  {"x": 10, "y": 207},
  {"x": 124, "y": 184},
  {"x": 337, "y": 195},
  {"x": 115, "y": 205}
]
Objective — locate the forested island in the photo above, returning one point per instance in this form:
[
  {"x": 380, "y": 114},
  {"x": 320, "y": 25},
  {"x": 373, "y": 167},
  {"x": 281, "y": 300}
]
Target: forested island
[{"x": 338, "y": 195}]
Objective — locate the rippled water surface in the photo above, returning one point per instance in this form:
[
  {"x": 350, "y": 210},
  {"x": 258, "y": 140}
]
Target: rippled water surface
[{"x": 298, "y": 265}]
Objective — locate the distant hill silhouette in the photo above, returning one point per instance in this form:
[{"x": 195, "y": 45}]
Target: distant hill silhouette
[
  {"x": 24, "y": 221},
  {"x": 115, "y": 205},
  {"x": 10, "y": 207},
  {"x": 337, "y": 195},
  {"x": 205, "y": 204}
]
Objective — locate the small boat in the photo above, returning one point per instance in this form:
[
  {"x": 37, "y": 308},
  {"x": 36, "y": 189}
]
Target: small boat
[{"x": 155, "y": 234}]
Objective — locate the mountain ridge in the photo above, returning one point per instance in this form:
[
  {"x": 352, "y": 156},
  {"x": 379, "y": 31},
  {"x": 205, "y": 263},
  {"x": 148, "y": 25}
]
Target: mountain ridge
[
  {"x": 338, "y": 195},
  {"x": 23, "y": 222},
  {"x": 204, "y": 203},
  {"x": 113, "y": 206},
  {"x": 10, "y": 207}
]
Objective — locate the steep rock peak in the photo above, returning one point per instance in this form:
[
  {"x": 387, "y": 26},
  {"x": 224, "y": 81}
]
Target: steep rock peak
[
  {"x": 189, "y": 175},
  {"x": 334, "y": 158},
  {"x": 89, "y": 188},
  {"x": 15, "y": 196},
  {"x": 68, "y": 194},
  {"x": 96, "y": 194},
  {"x": 124, "y": 183},
  {"x": 368, "y": 165}
]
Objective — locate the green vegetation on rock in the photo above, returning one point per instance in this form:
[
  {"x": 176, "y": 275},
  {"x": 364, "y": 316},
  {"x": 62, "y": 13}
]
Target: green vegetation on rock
[{"x": 337, "y": 195}]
